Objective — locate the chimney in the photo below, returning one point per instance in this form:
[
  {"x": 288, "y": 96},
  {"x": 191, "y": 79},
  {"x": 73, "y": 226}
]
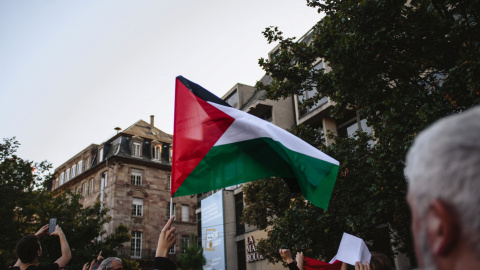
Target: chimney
[{"x": 151, "y": 121}]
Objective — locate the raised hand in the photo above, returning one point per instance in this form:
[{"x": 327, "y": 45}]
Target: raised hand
[
  {"x": 166, "y": 239},
  {"x": 58, "y": 231},
  {"x": 286, "y": 255},
  {"x": 43, "y": 231},
  {"x": 99, "y": 257},
  {"x": 362, "y": 266},
  {"x": 300, "y": 259}
]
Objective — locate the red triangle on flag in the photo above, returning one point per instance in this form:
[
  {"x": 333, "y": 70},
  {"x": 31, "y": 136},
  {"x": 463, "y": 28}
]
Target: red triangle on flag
[{"x": 197, "y": 127}]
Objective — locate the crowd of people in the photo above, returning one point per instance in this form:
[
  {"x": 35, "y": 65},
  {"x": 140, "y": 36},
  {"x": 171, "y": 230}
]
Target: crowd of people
[
  {"x": 443, "y": 174},
  {"x": 28, "y": 251}
]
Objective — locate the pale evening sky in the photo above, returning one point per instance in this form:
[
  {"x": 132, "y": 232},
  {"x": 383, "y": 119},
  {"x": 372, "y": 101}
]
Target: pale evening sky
[{"x": 72, "y": 71}]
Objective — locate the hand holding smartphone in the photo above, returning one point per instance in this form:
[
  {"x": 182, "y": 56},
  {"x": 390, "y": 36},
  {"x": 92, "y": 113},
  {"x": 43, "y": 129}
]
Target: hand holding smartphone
[{"x": 52, "y": 225}]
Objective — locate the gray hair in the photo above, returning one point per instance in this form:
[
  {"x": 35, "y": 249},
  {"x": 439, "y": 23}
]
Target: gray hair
[
  {"x": 107, "y": 263},
  {"x": 444, "y": 163}
]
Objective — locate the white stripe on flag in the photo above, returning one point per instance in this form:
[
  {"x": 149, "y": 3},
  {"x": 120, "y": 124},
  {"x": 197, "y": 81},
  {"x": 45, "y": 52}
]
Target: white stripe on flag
[{"x": 248, "y": 127}]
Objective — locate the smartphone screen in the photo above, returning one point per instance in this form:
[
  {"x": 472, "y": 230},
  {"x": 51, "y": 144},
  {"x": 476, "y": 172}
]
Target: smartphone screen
[{"x": 52, "y": 225}]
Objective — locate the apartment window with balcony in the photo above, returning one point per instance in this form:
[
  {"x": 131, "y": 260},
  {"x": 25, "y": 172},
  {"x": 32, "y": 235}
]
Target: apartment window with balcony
[
  {"x": 157, "y": 152},
  {"x": 185, "y": 213},
  {"x": 136, "y": 245},
  {"x": 185, "y": 243},
  {"x": 169, "y": 182},
  {"x": 62, "y": 178},
  {"x": 310, "y": 94},
  {"x": 136, "y": 177},
  {"x": 80, "y": 167},
  {"x": 232, "y": 100},
  {"x": 67, "y": 175},
  {"x": 74, "y": 170},
  {"x": 136, "y": 149},
  {"x": 90, "y": 186},
  {"x": 168, "y": 211}
]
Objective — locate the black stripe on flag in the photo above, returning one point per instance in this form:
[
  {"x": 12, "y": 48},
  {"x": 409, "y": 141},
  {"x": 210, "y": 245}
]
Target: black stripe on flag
[{"x": 201, "y": 92}]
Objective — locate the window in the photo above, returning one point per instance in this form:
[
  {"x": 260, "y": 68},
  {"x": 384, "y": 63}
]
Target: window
[
  {"x": 239, "y": 226},
  {"x": 84, "y": 189},
  {"x": 67, "y": 175},
  {"x": 267, "y": 115},
  {"x": 100, "y": 155},
  {"x": 137, "y": 207},
  {"x": 168, "y": 211},
  {"x": 136, "y": 149},
  {"x": 87, "y": 163},
  {"x": 172, "y": 249},
  {"x": 351, "y": 126},
  {"x": 185, "y": 213},
  {"x": 77, "y": 190},
  {"x": 80, "y": 167},
  {"x": 185, "y": 243},
  {"x": 74, "y": 170},
  {"x": 169, "y": 182},
  {"x": 103, "y": 179},
  {"x": 310, "y": 94},
  {"x": 136, "y": 177},
  {"x": 136, "y": 245},
  {"x": 62, "y": 178},
  {"x": 90, "y": 186},
  {"x": 157, "y": 152},
  {"x": 170, "y": 154},
  {"x": 232, "y": 100}
]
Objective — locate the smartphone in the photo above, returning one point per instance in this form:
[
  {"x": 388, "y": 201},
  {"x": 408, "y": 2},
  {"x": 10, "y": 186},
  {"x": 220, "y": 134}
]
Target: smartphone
[{"x": 52, "y": 225}]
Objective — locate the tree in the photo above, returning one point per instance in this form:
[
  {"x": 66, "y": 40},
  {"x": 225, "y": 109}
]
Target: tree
[
  {"x": 193, "y": 257},
  {"x": 27, "y": 205},
  {"x": 399, "y": 66},
  {"x": 18, "y": 180}
]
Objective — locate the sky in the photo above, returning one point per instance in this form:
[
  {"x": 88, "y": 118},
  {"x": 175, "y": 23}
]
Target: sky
[{"x": 72, "y": 71}]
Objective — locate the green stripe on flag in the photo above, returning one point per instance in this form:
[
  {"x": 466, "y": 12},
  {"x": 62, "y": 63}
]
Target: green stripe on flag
[{"x": 245, "y": 161}]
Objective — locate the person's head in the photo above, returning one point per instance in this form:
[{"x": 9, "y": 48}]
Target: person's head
[
  {"x": 443, "y": 174},
  {"x": 380, "y": 261},
  {"x": 111, "y": 263},
  {"x": 28, "y": 249}
]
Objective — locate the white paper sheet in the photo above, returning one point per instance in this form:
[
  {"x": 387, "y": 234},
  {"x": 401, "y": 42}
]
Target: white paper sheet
[{"x": 353, "y": 249}]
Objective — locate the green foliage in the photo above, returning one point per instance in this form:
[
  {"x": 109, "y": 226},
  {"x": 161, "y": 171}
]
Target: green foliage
[
  {"x": 130, "y": 264},
  {"x": 28, "y": 205},
  {"x": 193, "y": 258},
  {"x": 400, "y": 67},
  {"x": 19, "y": 180},
  {"x": 265, "y": 198}
]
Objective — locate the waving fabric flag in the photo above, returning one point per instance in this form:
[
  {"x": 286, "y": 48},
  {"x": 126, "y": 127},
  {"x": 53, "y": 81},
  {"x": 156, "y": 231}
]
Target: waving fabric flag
[{"x": 216, "y": 146}]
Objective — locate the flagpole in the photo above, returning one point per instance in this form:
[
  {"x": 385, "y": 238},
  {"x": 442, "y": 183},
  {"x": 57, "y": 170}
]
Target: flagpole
[
  {"x": 171, "y": 199},
  {"x": 171, "y": 206}
]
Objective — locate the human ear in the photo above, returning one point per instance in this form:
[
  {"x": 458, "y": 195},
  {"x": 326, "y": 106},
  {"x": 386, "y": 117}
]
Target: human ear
[{"x": 443, "y": 228}]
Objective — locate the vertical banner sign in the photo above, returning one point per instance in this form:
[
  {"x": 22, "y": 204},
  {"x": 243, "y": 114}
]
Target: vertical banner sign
[{"x": 213, "y": 233}]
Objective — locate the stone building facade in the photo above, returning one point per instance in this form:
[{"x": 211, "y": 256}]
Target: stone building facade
[{"x": 130, "y": 174}]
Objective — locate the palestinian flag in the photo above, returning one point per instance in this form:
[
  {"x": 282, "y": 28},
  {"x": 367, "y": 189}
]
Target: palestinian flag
[{"x": 216, "y": 146}]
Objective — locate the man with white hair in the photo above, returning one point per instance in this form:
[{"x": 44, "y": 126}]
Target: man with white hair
[
  {"x": 443, "y": 173},
  {"x": 111, "y": 263}
]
